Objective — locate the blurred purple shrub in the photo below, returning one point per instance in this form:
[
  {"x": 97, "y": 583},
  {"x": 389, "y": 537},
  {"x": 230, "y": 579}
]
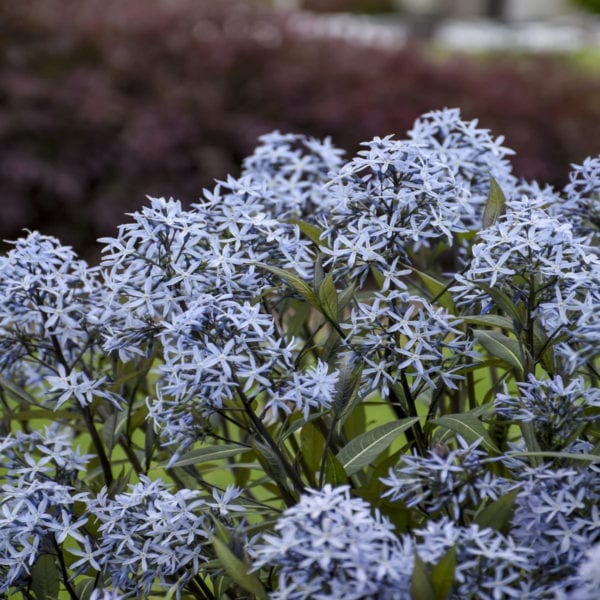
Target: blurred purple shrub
[{"x": 104, "y": 102}]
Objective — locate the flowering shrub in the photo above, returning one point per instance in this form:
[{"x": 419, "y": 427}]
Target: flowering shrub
[{"x": 329, "y": 378}]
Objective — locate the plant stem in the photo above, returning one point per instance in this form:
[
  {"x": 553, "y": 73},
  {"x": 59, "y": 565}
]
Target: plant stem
[{"x": 104, "y": 462}]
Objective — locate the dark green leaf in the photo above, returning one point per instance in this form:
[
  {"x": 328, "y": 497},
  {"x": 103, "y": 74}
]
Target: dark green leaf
[
  {"x": 295, "y": 282},
  {"x": 442, "y": 575},
  {"x": 335, "y": 473},
  {"x": 312, "y": 232},
  {"x": 238, "y": 570},
  {"x": 495, "y": 206},
  {"x": 421, "y": 585},
  {"x": 498, "y": 514},
  {"x": 364, "y": 449},
  {"x": 490, "y": 320},
  {"x": 312, "y": 446},
  {"x": 45, "y": 578},
  {"x": 209, "y": 453},
  {"x": 328, "y": 298},
  {"x": 437, "y": 289},
  {"x": 469, "y": 427},
  {"x": 503, "y": 347}
]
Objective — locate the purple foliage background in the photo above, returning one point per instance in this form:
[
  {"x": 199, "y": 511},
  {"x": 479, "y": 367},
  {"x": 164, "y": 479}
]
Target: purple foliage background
[{"x": 103, "y": 102}]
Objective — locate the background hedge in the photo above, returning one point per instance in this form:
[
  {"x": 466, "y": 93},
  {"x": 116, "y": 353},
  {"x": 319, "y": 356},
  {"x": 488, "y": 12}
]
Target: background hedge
[{"x": 103, "y": 102}]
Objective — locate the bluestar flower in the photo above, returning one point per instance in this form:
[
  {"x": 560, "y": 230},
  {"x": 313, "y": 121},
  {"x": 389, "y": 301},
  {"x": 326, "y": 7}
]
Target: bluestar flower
[
  {"x": 45, "y": 455},
  {"x": 78, "y": 385},
  {"x": 489, "y": 565},
  {"x": 35, "y": 517},
  {"x": 293, "y": 170},
  {"x": 582, "y": 205},
  {"x": 149, "y": 536},
  {"x": 221, "y": 350},
  {"x": 105, "y": 594},
  {"x": 49, "y": 300},
  {"x": 536, "y": 261},
  {"x": 452, "y": 480},
  {"x": 556, "y": 512},
  {"x": 557, "y": 409},
  {"x": 586, "y": 583},
  {"x": 402, "y": 335},
  {"x": 331, "y": 546},
  {"x": 471, "y": 154},
  {"x": 394, "y": 197}
]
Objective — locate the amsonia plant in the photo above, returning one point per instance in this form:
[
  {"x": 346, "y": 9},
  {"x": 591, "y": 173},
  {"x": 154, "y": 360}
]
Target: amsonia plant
[{"x": 374, "y": 378}]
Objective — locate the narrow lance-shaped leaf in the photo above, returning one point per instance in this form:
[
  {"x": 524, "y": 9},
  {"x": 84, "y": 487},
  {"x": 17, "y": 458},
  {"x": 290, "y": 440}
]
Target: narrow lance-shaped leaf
[
  {"x": 503, "y": 347},
  {"x": 497, "y": 514},
  {"x": 295, "y": 282},
  {"x": 438, "y": 290},
  {"x": 442, "y": 575},
  {"x": 45, "y": 578},
  {"x": 312, "y": 232},
  {"x": 238, "y": 570},
  {"x": 365, "y": 448},
  {"x": 495, "y": 206},
  {"x": 328, "y": 298},
  {"x": 421, "y": 585},
  {"x": 209, "y": 453},
  {"x": 469, "y": 427}
]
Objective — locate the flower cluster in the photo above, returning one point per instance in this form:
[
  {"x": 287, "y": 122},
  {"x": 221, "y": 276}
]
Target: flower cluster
[
  {"x": 403, "y": 338},
  {"x": 147, "y": 534},
  {"x": 534, "y": 262},
  {"x": 582, "y": 205},
  {"x": 445, "y": 480},
  {"x": 489, "y": 565},
  {"x": 556, "y": 512},
  {"x": 294, "y": 170},
  {"x": 558, "y": 411},
  {"x": 49, "y": 302},
  {"x": 330, "y": 546}
]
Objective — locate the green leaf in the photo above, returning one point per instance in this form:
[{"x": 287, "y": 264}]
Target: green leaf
[
  {"x": 334, "y": 470},
  {"x": 346, "y": 390},
  {"x": 502, "y": 301},
  {"x": 312, "y": 232},
  {"x": 328, "y": 298},
  {"x": 497, "y": 514},
  {"x": 238, "y": 570},
  {"x": 45, "y": 578},
  {"x": 296, "y": 315},
  {"x": 503, "y": 347},
  {"x": 295, "y": 282},
  {"x": 312, "y": 444},
  {"x": 364, "y": 449},
  {"x": 442, "y": 575},
  {"x": 491, "y": 321},
  {"x": 319, "y": 274},
  {"x": 345, "y": 297},
  {"x": 209, "y": 453},
  {"x": 17, "y": 392},
  {"x": 495, "y": 206},
  {"x": 85, "y": 587},
  {"x": 437, "y": 289},
  {"x": 563, "y": 455},
  {"x": 469, "y": 427},
  {"x": 421, "y": 585}
]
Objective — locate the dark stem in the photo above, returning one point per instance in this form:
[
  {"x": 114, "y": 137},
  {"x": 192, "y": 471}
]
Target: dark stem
[{"x": 104, "y": 462}]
